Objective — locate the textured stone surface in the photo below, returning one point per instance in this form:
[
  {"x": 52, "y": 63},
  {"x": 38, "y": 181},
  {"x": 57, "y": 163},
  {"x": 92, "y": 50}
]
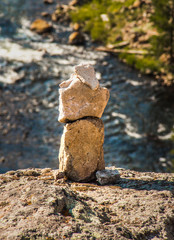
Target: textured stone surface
[
  {"x": 77, "y": 100},
  {"x": 86, "y": 74},
  {"x": 81, "y": 150},
  {"x": 33, "y": 205},
  {"x": 107, "y": 176},
  {"x": 58, "y": 175}
]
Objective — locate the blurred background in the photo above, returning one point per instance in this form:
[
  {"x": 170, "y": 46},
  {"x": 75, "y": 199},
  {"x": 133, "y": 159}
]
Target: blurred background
[{"x": 131, "y": 45}]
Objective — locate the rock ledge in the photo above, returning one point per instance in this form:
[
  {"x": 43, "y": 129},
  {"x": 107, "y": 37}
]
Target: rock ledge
[{"x": 35, "y": 206}]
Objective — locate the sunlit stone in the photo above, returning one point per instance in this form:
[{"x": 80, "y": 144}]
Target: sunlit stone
[{"x": 78, "y": 99}]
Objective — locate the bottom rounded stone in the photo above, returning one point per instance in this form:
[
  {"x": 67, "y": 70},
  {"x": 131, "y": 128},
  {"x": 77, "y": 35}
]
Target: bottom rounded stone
[{"x": 81, "y": 149}]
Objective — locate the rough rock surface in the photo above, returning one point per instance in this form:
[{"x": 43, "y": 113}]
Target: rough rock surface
[
  {"x": 77, "y": 100},
  {"x": 81, "y": 151},
  {"x": 34, "y": 206},
  {"x": 107, "y": 176},
  {"x": 86, "y": 74}
]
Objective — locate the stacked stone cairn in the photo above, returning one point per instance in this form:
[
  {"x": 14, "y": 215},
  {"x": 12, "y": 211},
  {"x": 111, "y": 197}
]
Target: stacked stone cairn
[{"x": 81, "y": 104}]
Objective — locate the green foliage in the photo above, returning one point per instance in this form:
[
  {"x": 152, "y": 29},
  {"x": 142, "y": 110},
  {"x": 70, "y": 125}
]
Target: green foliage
[
  {"x": 130, "y": 59},
  {"x": 163, "y": 14},
  {"x": 172, "y": 154},
  {"x": 105, "y": 20},
  {"x": 163, "y": 19},
  {"x": 98, "y": 32},
  {"x": 90, "y": 15},
  {"x": 146, "y": 64}
]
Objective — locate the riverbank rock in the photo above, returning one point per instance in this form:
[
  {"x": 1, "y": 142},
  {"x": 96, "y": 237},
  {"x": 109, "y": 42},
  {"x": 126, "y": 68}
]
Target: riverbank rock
[
  {"x": 76, "y": 38},
  {"x": 77, "y": 2},
  {"x": 76, "y": 26},
  {"x": 35, "y": 206},
  {"x": 81, "y": 151},
  {"x": 61, "y": 13},
  {"x": 45, "y": 14},
  {"x": 48, "y": 1},
  {"x": 74, "y": 3},
  {"x": 40, "y": 26},
  {"x": 77, "y": 100}
]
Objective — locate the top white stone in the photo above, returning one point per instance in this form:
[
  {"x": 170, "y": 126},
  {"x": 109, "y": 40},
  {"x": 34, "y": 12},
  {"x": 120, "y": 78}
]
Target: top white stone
[{"x": 86, "y": 74}]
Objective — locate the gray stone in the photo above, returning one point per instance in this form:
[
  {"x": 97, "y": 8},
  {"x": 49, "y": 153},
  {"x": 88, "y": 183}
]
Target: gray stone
[
  {"x": 107, "y": 176},
  {"x": 86, "y": 73}
]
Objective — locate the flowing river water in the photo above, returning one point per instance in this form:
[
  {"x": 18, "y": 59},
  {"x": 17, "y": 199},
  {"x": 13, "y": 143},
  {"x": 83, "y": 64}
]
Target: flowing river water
[{"x": 138, "y": 118}]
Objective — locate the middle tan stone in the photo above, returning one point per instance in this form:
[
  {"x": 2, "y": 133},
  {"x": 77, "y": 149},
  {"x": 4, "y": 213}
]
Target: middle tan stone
[
  {"x": 81, "y": 151},
  {"x": 77, "y": 100}
]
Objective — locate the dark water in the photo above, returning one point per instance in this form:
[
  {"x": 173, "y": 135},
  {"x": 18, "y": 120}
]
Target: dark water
[{"x": 138, "y": 119}]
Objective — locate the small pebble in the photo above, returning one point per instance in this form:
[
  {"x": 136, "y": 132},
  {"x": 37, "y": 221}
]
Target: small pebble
[
  {"x": 58, "y": 175},
  {"x": 106, "y": 176}
]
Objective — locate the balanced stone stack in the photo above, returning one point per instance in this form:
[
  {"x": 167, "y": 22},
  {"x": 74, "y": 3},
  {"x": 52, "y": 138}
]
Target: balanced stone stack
[{"x": 81, "y": 104}]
